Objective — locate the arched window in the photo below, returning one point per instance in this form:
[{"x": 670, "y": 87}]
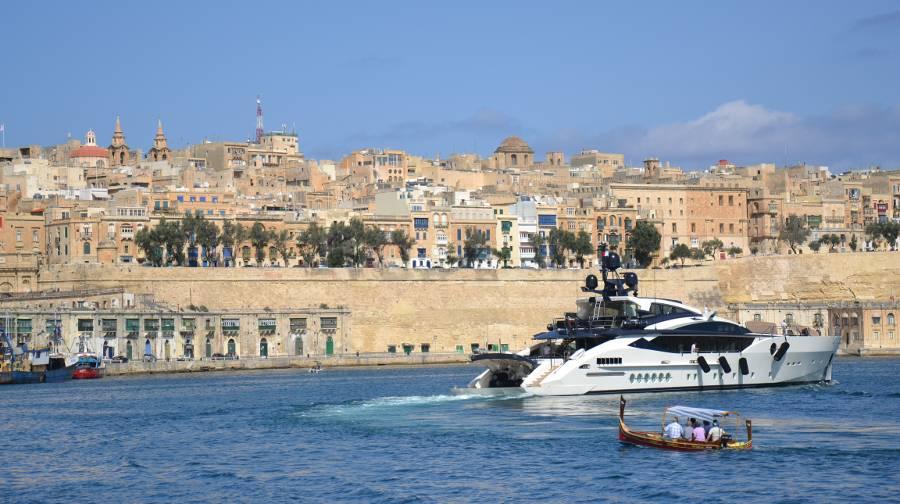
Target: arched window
[
  {"x": 890, "y": 318},
  {"x": 208, "y": 348},
  {"x": 263, "y": 348},
  {"x": 612, "y": 220},
  {"x": 437, "y": 219},
  {"x": 232, "y": 350},
  {"x": 87, "y": 248}
]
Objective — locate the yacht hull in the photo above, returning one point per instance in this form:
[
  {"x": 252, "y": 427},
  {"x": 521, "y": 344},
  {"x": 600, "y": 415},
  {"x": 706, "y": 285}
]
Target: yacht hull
[{"x": 806, "y": 359}]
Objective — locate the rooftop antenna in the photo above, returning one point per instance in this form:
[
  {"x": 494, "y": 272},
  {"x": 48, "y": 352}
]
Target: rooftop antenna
[{"x": 259, "y": 120}]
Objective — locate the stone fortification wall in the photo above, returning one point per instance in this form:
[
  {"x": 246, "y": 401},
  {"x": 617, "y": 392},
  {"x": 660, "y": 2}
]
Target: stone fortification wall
[{"x": 446, "y": 308}]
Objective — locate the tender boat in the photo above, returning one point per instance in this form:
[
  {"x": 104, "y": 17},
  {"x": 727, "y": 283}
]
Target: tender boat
[
  {"x": 658, "y": 440},
  {"x": 619, "y": 342},
  {"x": 89, "y": 367}
]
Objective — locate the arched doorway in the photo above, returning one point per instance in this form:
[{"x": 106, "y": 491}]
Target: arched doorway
[
  {"x": 263, "y": 348},
  {"x": 208, "y": 348},
  {"x": 148, "y": 348},
  {"x": 166, "y": 350},
  {"x": 329, "y": 346},
  {"x": 128, "y": 350},
  {"x": 231, "y": 347},
  {"x": 298, "y": 346}
]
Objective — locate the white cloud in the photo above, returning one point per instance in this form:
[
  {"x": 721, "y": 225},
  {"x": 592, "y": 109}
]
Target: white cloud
[{"x": 850, "y": 137}]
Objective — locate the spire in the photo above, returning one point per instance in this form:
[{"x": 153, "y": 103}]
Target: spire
[
  {"x": 159, "y": 130},
  {"x": 118, "y": 138}
]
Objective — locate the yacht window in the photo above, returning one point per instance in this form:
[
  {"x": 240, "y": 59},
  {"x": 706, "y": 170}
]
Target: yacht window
[
  {"x": 717, "y": 327},
  {"x": 666, "y": 309}
]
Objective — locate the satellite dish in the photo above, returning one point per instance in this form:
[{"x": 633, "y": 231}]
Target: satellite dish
[{"x": 591, "y": 282}]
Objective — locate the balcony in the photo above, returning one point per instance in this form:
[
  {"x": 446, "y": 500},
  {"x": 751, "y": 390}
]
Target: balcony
[{"x": 152, "y": 334}]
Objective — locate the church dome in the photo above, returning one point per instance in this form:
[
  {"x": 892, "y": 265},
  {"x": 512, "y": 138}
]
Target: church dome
[
  {"x": 514, "y": 144},
  {"x": 90, "y": 151}
]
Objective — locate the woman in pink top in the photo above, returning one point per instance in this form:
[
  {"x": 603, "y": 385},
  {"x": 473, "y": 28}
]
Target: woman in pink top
[{"x": 699, "y": 434}]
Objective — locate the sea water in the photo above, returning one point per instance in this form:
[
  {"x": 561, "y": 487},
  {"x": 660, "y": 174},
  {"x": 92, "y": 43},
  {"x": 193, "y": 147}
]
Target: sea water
[{"x": 399, "y": 435}]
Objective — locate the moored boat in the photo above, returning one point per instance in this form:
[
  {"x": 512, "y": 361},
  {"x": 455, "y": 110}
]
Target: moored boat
[
  {"x": 89, "y": 367},
  {"x": 657, "y": 439}
]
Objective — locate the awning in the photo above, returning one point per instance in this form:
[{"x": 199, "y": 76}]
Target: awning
[{"x": 700, "y": 413}]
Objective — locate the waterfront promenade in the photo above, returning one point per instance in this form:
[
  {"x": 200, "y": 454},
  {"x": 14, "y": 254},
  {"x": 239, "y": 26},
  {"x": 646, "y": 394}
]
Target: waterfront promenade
[{"x": 282, "y": 362}]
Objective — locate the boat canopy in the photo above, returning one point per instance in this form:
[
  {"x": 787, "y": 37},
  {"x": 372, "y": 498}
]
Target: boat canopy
[{"x": 700, "y": 413}]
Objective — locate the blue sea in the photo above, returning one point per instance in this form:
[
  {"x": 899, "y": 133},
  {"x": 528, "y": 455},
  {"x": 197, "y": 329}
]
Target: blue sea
[{"x": 399, "y": 435}]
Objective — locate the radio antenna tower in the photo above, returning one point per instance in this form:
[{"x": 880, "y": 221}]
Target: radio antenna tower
[{"x": 259, "y": 120}]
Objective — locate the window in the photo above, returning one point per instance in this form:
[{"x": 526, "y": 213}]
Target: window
[
  {"x": 202, "y": 199},
  {"x": 328, "y": 323},
  {"x": 721, "y": 200},
  {"x": 890, "y": 319},
  {"x": 674, "y": 228},
  {"x": 876, "y": 320},
  {"x": 877, "y": 334},
  {"x": 180, "y": 198},
  {"x": 721, "y": 228},
  {"x": 215, "y": 199},
  {"x": 34, "y": 236},
  {"x": 693, "y": 227},
  {"x": 757, "y": 317},
  {"x": 298, "y": 325},
  {"x": 87, "y": 248},
  {"x": 547, "y": 220},
  {"x": 85, "y": 325},
  {"x": 789, "y": 318},
  {"x": 730, "y": 200},
  {"x": 193, "y": 199},
  {"x": 420, "y": 222},
  {"x": 731, "y": 228},
  {"x": 18, "y": 235}
]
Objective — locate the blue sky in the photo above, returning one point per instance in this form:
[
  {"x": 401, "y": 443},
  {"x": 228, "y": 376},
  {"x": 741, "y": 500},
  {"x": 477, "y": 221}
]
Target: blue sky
[{"x": 689, "y": 82}]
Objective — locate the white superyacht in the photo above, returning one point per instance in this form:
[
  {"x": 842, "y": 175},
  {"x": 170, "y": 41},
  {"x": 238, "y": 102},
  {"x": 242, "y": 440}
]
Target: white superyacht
[{"x": 618, "y": 342}]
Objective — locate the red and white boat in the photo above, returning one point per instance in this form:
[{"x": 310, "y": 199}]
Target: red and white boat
[{"x": 89, "y": 367}]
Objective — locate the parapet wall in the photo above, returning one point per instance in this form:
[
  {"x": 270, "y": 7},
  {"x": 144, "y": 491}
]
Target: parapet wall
[{"x": 446, "y": 308}]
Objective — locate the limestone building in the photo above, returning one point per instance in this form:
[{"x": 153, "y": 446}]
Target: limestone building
[{"x": 513, "y": 152}]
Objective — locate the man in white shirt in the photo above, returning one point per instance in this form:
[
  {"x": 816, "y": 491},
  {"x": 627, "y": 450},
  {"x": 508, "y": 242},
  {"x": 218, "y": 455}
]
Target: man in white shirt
[
  {"x": 673, "y": 430},
  {"x": 715, "y": 433}
]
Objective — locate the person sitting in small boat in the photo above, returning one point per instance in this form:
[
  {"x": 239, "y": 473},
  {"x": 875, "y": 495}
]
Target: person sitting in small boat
[
  {"x": 716, "y": 433},
  {"x": 688, "y": 429},
  {"x": 673, "y": 430},
  {"x": 699, "y": 433}
]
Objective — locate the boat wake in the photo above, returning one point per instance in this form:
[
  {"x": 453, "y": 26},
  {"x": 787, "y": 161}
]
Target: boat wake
[{"x": 398, "y": 404}]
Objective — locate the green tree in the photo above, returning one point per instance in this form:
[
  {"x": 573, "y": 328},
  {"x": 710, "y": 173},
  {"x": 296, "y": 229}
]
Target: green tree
[
  {"x": 582, "y": 247},
  {"x": 281, "y": 241},
  {"x": 357, "y": 241},
  {"x": 375, "y": 240},
  {"x": 148, "y": 241},
  {"x": 793, "y": 232},
  {"x": 854, "y": 244},
  {"x": 680, "y": 252},
  {"x": 644, "y": 241},
  {"x": 710, "y": 247},
  {"x": 697, "y": 254},
  {"x": 208, "y": 238},
  {"x": 170, "y": 236},
  {"x": 452, "y": 258},
  {"x": 833, "y": 242},
  {"x": 312, "y": 244},
  {"x": 734, "y": 250},
  {"x": 815, "y": 245},
  {"x": 403, "y": 242},
  {"x": 259, "y": 238},
  {"x": 539, "y": 243},
  {"x": 474, "y": 246},
  {"x": 503, "y": 255}
]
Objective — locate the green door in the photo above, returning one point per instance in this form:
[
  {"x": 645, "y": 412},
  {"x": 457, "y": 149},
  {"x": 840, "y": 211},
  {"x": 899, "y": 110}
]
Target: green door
[
  {"x": 128, "y": 350},
  {"x": 231, "y": 350},
  {"x": 263, "y": 348},
  {"x": 329, "y": 346},
  {"x": 504, "y": 347},
  {"x": 298, "y": 346},
  {"x": 208, "y": 348}
]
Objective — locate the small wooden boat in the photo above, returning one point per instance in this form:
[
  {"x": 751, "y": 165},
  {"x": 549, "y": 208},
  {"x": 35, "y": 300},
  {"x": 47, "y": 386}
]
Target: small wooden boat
[{"x": 658, "y": 440}]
